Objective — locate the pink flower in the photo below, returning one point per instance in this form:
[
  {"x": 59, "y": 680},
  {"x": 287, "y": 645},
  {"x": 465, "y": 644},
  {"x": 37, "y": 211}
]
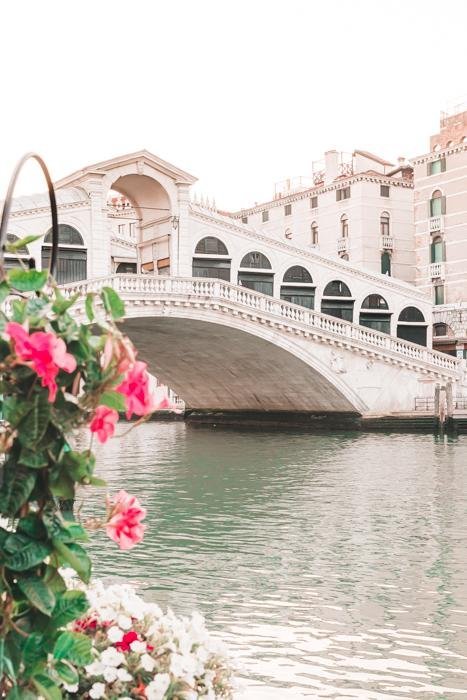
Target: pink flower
[
  {"x": 135, "y": 388},
  {"x": 124, "y": 525},
  {"x": 43, "y": 352},
  {"x": 103, "y": 423},
  {"x": 160, "y": 398},
  {"x": 120, "y": 350}
]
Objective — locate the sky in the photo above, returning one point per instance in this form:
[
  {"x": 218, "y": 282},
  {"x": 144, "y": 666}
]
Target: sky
[{"x": 240, "y": 94}]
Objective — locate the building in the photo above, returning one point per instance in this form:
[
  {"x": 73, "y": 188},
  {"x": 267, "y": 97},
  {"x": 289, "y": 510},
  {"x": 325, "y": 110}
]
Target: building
[
  {"x": 440, "y": 220},
  {"x": 358, "y": 207}
]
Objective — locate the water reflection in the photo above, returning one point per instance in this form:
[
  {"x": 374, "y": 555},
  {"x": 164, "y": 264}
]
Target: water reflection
[{"x": 334, "y": 565}]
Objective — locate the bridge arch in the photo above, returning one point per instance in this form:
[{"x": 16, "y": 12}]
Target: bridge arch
[{"x": 213, "y": 361}]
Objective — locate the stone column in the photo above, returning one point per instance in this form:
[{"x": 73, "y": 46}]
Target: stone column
[
  {"x": 99, "y": 249},
  {"x": 181, "y": 239}
]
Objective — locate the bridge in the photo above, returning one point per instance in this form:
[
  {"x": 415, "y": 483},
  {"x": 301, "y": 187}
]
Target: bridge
[{"x": 225, "y": 348}]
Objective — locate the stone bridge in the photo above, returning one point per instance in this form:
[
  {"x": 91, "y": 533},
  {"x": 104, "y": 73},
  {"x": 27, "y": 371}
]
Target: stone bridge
[{"x": 225, "y": 348}]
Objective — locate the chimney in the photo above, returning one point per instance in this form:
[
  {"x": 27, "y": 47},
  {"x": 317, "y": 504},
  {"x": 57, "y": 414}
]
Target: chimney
[
  {"x": 401, "y": 160},
  {"x": 331, "y": 166}
]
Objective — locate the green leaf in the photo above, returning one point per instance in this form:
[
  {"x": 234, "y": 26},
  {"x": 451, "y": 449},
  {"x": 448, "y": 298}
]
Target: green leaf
[
  {"x": 15, "y": 409},
  {"x": 112, "y": 302},
  {"x": 34, "y": 650},
  {"x": 34, "y": 425},
  {"x": 62, "y": 304},
  {"x": 32, "y": 526},
  {"x": 79, "y": 465},
  {"x": 27, "y": 554},
  {"x": 27, "y": 280},
  {"x": 62, "y": 485},
  {"x": 17, "y": 693},
  {"x": 70, "y": 606},
  {"x": 66, "y": 673},
  {"x": 95, "y": 481},
  {"x": 5, "y": 290},
  {"x": 17, "y": 486},
  {"x": 33, "y": 459},
  {"x": 53, "y": 579},
  {"x": 113, "y": 399},
  {"x": 21, "y": 243},
  {"x": 18, "y": 308},
  {"x": 75, "y": 556},
  {"x": 89, "y": 306},
  {"x": 38, "y": 593},
  {"x": 46, "y": 687},
  {"x": 74, "y": 647}
]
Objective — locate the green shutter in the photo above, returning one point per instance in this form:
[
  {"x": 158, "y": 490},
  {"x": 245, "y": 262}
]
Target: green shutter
[
  {"x": 444, "y": 251},
  {"x": 443, "y": 165},
  {"x": 443, "y": 205}
]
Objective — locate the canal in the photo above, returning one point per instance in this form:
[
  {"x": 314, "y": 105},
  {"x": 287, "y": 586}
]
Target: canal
[{"x": 333, "y": 565}]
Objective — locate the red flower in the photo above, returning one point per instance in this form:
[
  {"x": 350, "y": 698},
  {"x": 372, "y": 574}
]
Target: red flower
[
  {"x": 127, "y": 639},
  {"x": 103, "y": 423},
  {"x": 44, "y": 352},
  {"x": 135, "y": 388},
  {"x": 124, "y": 525}
]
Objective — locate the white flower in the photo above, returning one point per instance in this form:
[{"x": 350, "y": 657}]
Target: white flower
[
  {"x": 97, "y": 691},
  {"x": 112, "y": 657},
  {"x": 123, "y": 675},
  {"x": 110, "y": 674},
  {"x": 71, "y": 688},
  {"x": 124, "y": 622},
  {"x": 138, "y": 647},
  {"x": 115, "y": 634},
  {"x": 156, "y": 689},
  {"x": 148, "y": 663},
  {"x": 95, "y": 669}
]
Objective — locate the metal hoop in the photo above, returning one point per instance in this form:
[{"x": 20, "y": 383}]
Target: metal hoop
[{"x": 53, "y": 208}]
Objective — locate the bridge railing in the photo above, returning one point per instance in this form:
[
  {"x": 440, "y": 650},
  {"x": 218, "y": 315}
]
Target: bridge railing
[{"x": 249, "y": 299}]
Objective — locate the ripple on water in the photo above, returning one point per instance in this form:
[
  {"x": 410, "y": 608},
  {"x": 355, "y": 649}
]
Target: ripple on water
[{"x": 333, "y": 565}]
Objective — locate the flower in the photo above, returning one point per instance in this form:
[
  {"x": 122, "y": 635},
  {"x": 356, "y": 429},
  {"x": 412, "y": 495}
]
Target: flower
[
  {"x": 112, "y": 657},
  {"x": 123, "y": 675},
  {"x": 138, "y": 647},
  {"x": 43, "y": 352},
  {"x": 103, "y": 423},
  {"x": 147, "y": 663},
  {"x": 124, "y": 525},
  {"x": 160, "y": 398},
  {"x": 120, "y": 350},
  {"x": 135, "y": 388},
  {"x": 125, "y": 643},
  {"x": 155, "y": 690},
  {"x": 97, "y": 691},
  {"x": 114, "y": 634}
]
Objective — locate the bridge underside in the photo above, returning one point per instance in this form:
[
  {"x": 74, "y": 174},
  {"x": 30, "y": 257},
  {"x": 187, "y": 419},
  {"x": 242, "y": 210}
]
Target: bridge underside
[{"x": 214, "y": 367}]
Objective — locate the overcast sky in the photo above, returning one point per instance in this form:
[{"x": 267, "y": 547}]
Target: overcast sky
[{"x": 240, "y": 94}]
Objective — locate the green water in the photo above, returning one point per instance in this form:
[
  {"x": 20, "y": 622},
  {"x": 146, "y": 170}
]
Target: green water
[{"x": 332, "y": 565}]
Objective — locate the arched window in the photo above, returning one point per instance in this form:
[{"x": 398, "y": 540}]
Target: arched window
[
  {"x": 437, "y": 252},
  {"x": 260, "y": 280},
  {"x": 298, "y": 288},
  {"x": 211, "y": 246},
  {"x": 344, "y": 256},
  {"x": 411, "y": 325},
  {"x": 126, "y": 268},
  {"x": 21, "y": 256},
  {"x": 375, "y": 301},
  {"x": 344, "y": 226},
  {"x": 336, "y": 288},
  {"x": 288, "y": 234},
  {"x": 384, "y": 223},
  {"x": 374, "y": 314},
  {"x": 257, "y": 260},
  {"x": 449, "y": 144},
  {"x": 437, "y": 203},
  {"x": 207, "y": 264},
  {"x": 314, "y": 233},
  {"x": 442, "y": 329},
  {"x": 337, "y": 301},
  {"x": 385, "y": 263},
  {"x": 299, "y": 274},
  {"x": 72, "y": 254}
]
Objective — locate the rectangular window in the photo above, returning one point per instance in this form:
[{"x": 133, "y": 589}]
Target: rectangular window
[
  {"x": 439, "y": 294},
  {"x": 132, "y": 230},
  {"x": 288, "y": 209},
  {"x": 265, "y": 215},
  {"x": 436, "y": 166},
  {"x": 244, "y": 219},
  {"x": 343, "y": 193},
  {"x": 384, "y": 190},
  {"x": 314, "y": 202},
  {"x": 121, "y": 229}
]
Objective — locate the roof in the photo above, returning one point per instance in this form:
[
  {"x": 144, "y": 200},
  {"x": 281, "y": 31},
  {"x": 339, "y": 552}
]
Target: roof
[
  {"x": 69, "y": 195},
  {"x": 371, "y": 156}
]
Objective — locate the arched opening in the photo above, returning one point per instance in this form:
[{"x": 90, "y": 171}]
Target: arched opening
[
  {"x": 437, "y": 250},
  {"x": 147, "y": 220},
  {"x": 344, "y": 226},
  {"x": 337, "y": 301},
  {"x": 437, "y": 204},
  {"x": 384, "y": 224},
  {"x": 255, "y": 273},
  {"x": 298, "y": 288},
  {"x": 411, "y": 325},
  {"x": 126, "y": 268},
  {"x": 386, "y": 263},
  {"x": 17, "y": 259},
  {"x": 72, "y": 254},
  {"x": 211, "y": 259},
  {"x": 375, "y": 313},
  {"x": 314, "y": 234},
  {"x": 444, "y": 339}
]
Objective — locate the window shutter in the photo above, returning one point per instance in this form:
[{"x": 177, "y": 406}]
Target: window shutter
[
  {"x": 433, "y": 252},
  {"x": 443, "y": 165},
  {"x": 443, "y": 205},
  {"x": 428, "y": 168},
  {"x": 443, "y": 249}
]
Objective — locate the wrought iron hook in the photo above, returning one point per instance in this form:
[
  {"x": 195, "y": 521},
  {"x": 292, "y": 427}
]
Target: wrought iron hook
[{"x": 53, "y": 208}]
